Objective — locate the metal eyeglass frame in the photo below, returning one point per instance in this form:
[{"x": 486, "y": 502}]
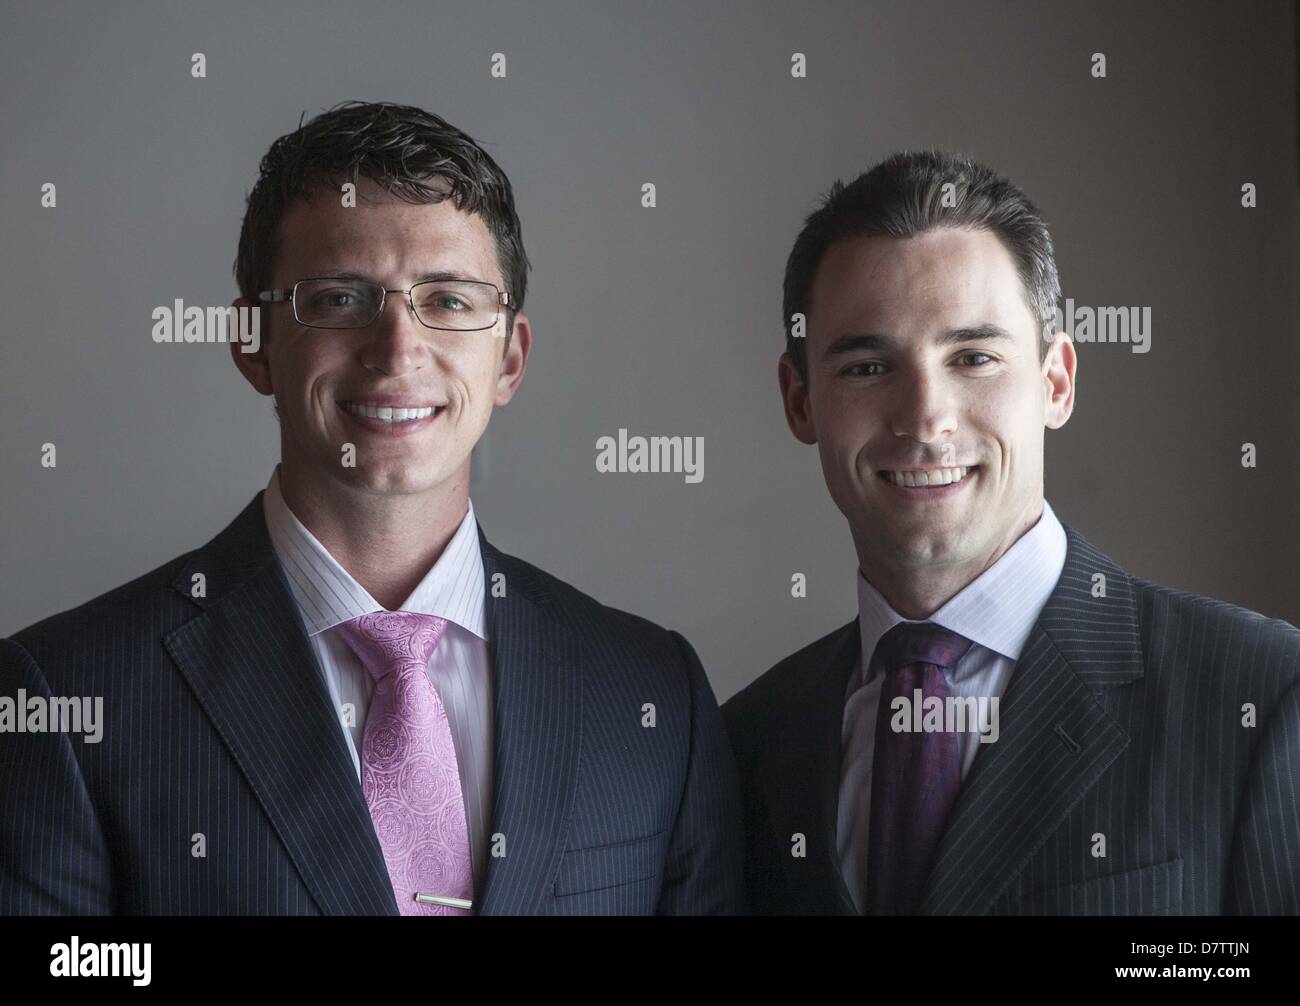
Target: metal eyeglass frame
[{"x": 287, "y": 295}]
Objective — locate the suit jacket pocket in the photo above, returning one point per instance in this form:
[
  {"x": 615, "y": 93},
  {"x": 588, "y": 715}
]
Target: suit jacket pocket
[
  {"x": 1150, "y": 890},
  {"x": 600, "y": 866}
]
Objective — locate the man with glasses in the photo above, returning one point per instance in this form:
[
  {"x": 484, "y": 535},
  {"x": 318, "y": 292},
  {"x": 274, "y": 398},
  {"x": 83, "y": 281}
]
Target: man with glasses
[{"x": 349, "y": 701}]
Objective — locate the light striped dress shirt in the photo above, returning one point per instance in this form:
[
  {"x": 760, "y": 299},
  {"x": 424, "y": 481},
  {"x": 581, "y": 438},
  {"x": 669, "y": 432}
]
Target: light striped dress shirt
[
  {"x": 996, "y": 611},
  {"x": 460, "y": 668}
]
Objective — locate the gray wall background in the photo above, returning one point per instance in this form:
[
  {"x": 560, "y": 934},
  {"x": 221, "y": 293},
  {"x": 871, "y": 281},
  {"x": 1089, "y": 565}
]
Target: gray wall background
[{"x": 663, "y": 321}]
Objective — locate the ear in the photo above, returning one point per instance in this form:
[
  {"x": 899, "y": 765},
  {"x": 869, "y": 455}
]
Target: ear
[
  {"x": 256, "y": 367},
  {"x": 1058, "y": 381},
  {"x": 515, "y": 359},
  {"x": 794, "y": 395}
]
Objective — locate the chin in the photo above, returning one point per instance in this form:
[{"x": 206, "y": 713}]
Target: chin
[
  {"x": 387, "y": 479},
  {"x": 418, "y": 481},
  {"x": 923, "y": 550}
]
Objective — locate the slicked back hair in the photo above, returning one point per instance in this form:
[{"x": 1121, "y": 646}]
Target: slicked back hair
[{"x": 907, "y": 194}]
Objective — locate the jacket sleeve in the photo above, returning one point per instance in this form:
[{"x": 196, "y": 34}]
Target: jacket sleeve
[
  {"x": 703, "y": 874},
  {"x": 54, "y": 859},
  {"x": 1264, "y": 877}
]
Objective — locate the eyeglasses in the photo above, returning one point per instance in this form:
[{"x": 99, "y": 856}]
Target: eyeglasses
[{"x": 456, "y": 305}]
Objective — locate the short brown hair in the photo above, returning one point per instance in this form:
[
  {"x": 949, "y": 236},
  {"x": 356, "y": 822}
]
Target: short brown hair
[
  {"x": 415, "y": 155},
  {"x": 903, "y": 196}
]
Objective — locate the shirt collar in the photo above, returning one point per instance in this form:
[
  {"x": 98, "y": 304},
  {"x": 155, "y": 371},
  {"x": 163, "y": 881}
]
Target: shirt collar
[
  {"x": 996, "y": 610},
  {"x": 327, "y": 594}
]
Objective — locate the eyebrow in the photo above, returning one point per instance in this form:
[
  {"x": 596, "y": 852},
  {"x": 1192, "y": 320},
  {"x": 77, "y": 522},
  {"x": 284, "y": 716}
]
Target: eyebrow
[
  {"x": 439, "y": 276},
  {"x": 866, "y": 342}
]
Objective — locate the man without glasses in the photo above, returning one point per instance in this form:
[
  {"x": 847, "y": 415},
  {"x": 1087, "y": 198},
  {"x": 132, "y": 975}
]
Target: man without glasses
[{"x": 1148, "y": 743}]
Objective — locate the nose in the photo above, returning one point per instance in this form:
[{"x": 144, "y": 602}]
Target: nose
[
  {"x": 923, "y": 407},
  {"x": 395, "y": 342}
]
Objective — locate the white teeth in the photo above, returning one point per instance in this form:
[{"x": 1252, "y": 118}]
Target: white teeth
[
  {"x": 933, "y": 477},
  {"x": 387, "y": 414}
]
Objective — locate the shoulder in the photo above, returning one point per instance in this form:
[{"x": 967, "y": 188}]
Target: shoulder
[
  {"x": 763, "y": 702},
  {"x": 1184, "y": 639},
  {"x": 146, "y": 604},
  {"x": 120, "y": 625},
  {"x": 1205, "y": 632},
  {"x": 609, "y": 631}
]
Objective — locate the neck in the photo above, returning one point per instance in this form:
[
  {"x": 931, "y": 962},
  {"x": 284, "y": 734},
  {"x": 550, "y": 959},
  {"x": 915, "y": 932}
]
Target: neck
[
  {"x": 917, "y": 592},
  {"x": 387, "y": 542}
]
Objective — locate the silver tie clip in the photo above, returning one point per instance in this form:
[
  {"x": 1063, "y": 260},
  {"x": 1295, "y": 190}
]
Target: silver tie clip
[{"x": 438, "y": 899}]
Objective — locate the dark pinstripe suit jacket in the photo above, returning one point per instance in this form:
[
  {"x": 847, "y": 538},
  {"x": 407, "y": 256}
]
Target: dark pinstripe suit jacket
[
  {"x": 1122, "y": 719},
  {"x": 217, "y": 722}
]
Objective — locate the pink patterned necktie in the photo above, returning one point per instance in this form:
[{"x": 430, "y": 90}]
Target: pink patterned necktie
[{"x": 409, "y": 773}]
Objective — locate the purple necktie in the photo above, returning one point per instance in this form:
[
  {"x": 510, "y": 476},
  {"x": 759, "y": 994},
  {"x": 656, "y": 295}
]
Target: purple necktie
[
  {"x": 409, "y": 774},
  {"x": 915, "y": 776}
]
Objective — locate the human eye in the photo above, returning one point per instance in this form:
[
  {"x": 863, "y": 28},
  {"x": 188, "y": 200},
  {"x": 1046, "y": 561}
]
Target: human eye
[
  {"x": 451, "y": 302},
  {"x": 335, "y": 296},
  {"x": 447, "y": 298},
  {"x": 863, "y": 369},
  {"x": 981, "y": 358}
]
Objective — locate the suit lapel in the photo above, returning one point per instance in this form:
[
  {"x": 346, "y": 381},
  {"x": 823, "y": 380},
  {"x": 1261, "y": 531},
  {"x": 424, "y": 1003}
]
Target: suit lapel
[
  {"x": 537, "y": 719},
  {"x": 1056, "y": 739},
  {"x": 248, "y": 660},
  {"x": 801, "y": 774}
]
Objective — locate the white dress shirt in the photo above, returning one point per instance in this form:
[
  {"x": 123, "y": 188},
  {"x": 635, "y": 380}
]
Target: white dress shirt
[
  {"x": 996, "y": 611},
  {"x": 460, "y": 670}
]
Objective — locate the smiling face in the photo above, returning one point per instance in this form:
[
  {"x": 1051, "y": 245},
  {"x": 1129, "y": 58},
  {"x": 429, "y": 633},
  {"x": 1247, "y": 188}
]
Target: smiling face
[
  {"x": 927, "y": 399},
  {"x": 325, "y": 381}
]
